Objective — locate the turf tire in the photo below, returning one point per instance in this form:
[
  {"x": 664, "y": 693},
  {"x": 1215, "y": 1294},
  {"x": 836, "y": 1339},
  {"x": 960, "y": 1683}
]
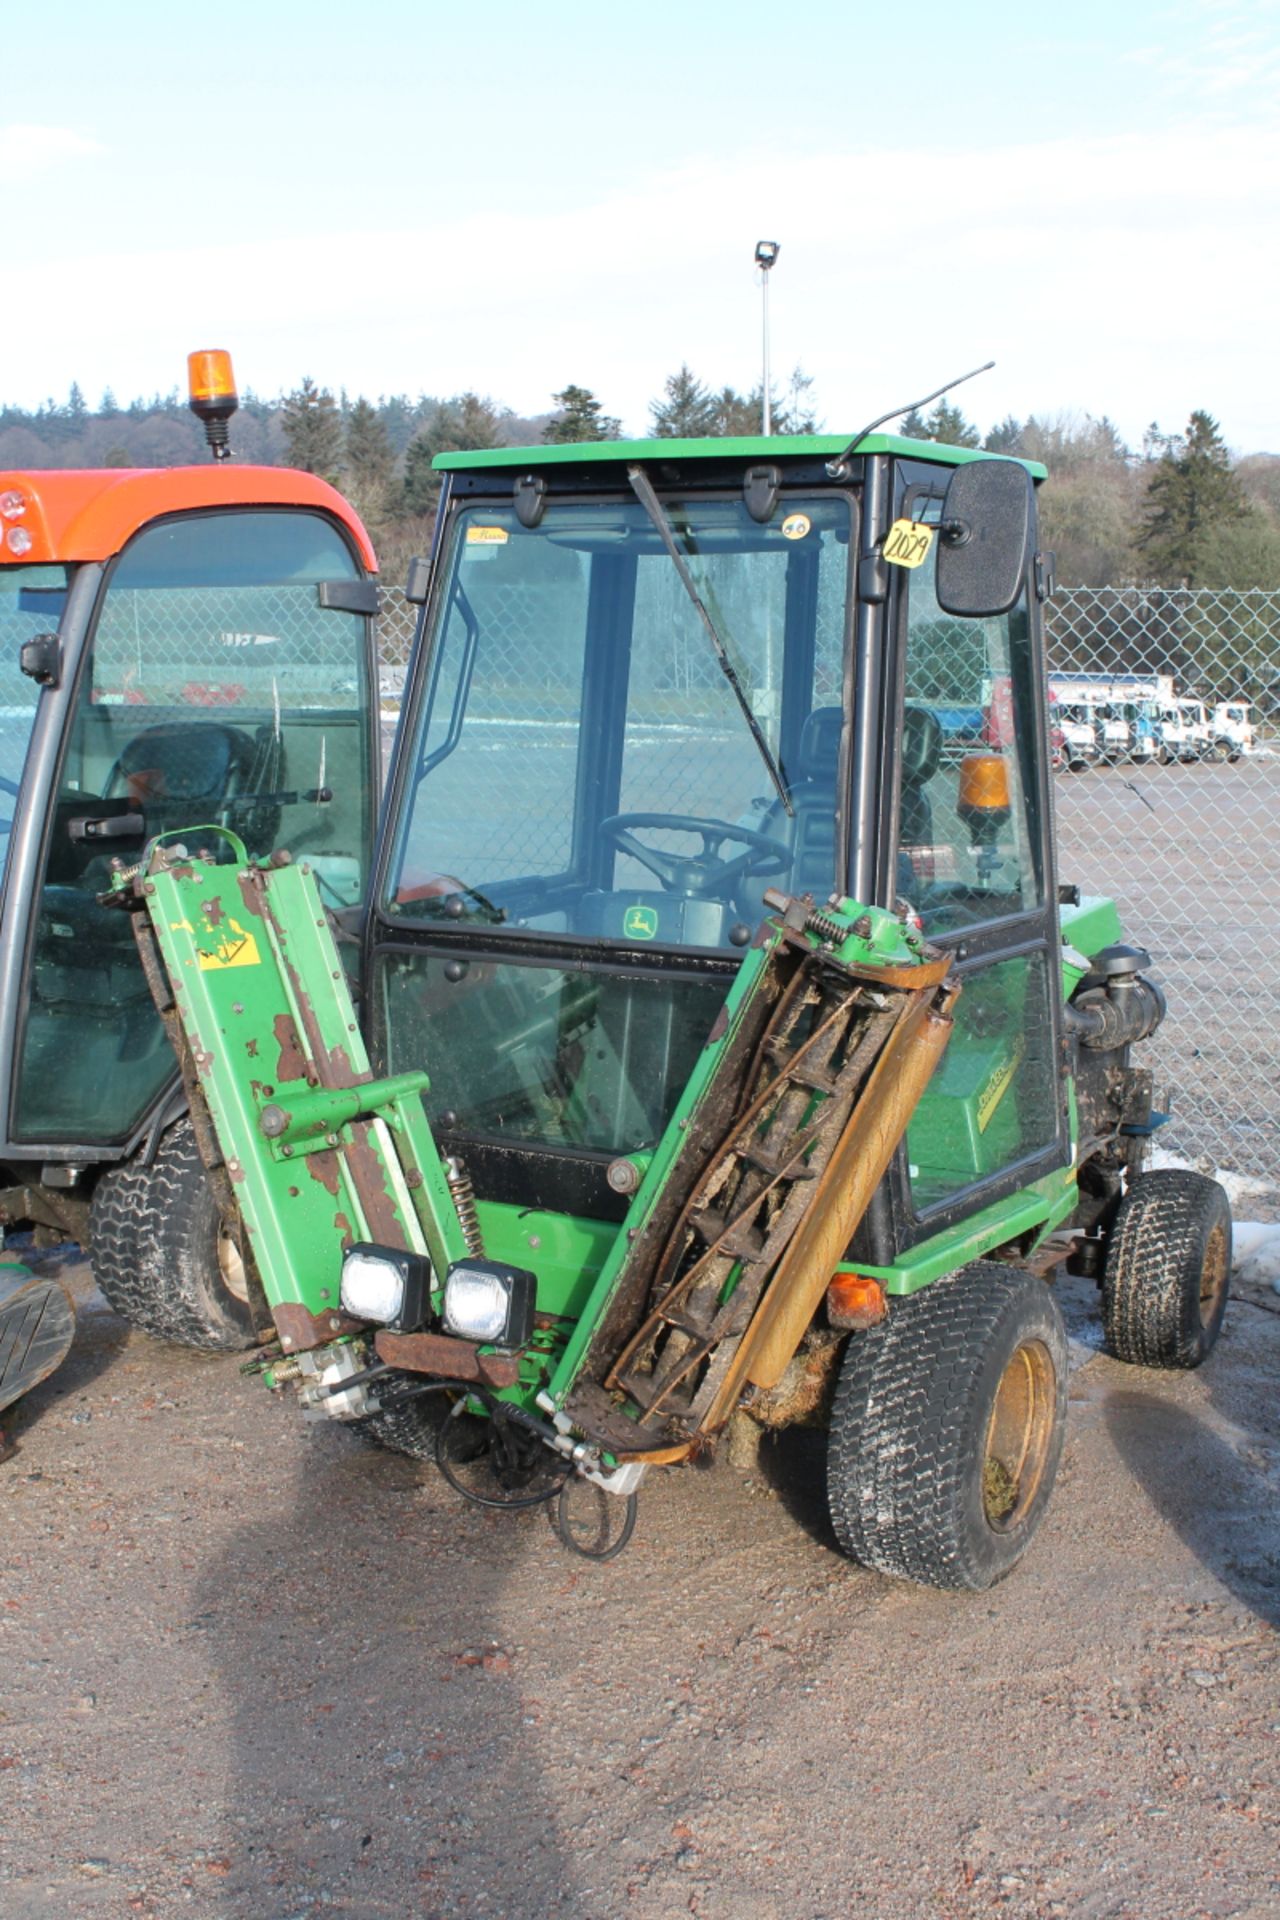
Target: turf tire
[
  {"x": 155, "y": 1238},
  {"x": 915, "y": 1446},
  {"x": 1168, "y": 1270}
]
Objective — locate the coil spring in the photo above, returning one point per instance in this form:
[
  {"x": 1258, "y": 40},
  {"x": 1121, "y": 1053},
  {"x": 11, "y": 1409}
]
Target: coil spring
[
  {"x": 464, "y": 1200},
  {"x": 825, "y": 926}
]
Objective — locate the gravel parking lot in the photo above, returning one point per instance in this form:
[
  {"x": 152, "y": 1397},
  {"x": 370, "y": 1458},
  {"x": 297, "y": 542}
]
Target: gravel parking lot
[{"x": 252, "y": 1671}]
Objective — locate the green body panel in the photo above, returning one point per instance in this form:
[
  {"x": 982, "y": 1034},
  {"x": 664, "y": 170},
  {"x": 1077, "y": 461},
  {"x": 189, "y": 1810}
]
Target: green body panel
[
  {"x": 1088, "y": 928},
  {"x": 1037, "y": 1208},
  {"x": 263, "y": 1000},
  {"x": 566, "y": 1252},
  {"x": 812, "y": 446},
  {"x": 967, "y": 1123}
]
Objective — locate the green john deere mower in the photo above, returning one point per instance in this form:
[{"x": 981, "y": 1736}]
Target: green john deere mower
[{"x": 726, "y": 1043}]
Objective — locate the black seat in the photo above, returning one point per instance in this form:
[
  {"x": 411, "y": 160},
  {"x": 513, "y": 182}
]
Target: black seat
[
  {"x": 181, "y": 762},
  {"x": 811, "y": 834},
  {"x": 811, "y": 831},
  {"x": 185, "y": 774}
]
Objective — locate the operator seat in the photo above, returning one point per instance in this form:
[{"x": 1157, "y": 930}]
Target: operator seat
[
  {"x": 811, "y": 834},
  {"x": 182, "y": 773},
  {"x": 177, "y": 762},
  {"x": 811, "y": 831}
]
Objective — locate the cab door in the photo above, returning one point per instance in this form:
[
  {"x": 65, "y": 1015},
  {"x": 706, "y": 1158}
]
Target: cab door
[
  {"x": 226, "y": 681},
  {"x": 971, "y": 853}
]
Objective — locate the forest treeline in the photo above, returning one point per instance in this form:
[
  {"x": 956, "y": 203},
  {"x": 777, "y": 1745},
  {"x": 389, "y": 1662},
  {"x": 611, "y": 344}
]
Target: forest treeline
[{"x": 1178, "y": 510}]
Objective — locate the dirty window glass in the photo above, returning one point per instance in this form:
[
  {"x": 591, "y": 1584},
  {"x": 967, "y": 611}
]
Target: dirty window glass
[{"x": 969, "y": 836}]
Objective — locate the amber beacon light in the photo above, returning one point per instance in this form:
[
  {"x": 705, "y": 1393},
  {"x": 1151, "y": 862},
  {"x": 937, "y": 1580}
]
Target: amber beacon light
[{"x": 212, "y": 387}]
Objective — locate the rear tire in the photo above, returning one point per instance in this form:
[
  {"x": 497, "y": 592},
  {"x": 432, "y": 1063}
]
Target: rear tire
[
  {"x": 1168, "y": 1272},
  {"x": 409, "y": 1429},
  {"x": 948, "y": 1427},
  {"x": 162, "y": 1255}
]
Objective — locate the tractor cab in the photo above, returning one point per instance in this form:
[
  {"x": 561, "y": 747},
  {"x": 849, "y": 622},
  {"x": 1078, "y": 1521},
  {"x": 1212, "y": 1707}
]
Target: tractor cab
[
  {"x": 180, "y": 649},
  {"x": 653, "y": 682},
  {"x": 718, "y": 1049}
]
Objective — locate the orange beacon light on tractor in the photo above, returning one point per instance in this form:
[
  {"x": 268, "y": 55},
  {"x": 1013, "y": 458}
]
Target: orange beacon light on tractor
[{"x": 211, "y": 385}]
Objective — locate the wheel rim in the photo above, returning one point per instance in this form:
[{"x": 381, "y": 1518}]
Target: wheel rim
[
  {"x": 1213, "y": 1276},
  {"x": 1019, "y": 1436},
  {"x": 231, "y": 1266}
]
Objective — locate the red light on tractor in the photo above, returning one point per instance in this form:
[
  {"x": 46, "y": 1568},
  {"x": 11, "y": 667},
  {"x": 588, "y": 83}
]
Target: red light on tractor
[
  {"x": 213, "y": 398},
  {"x": 855, "y": 1300}
]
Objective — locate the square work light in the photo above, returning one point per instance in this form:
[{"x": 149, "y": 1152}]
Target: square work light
[
  {"x": 386, "y": 1284},
  {"x": 488, "y": 1301}
]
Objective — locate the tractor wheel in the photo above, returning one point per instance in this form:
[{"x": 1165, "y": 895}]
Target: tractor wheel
[
  {"x": 162, "y": 1256},
  {"x": 37, "y": 1326},
  {"x": 947, "y": 1429},
  {"x": 409, "y": 1428},
  {"x": 1168, "y": 1270}
]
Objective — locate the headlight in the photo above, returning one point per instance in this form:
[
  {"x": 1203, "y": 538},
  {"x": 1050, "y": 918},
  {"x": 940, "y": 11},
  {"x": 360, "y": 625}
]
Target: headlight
[
  {"x": 386, "y": 1284},
  {"x": 487, "y": 1301}
]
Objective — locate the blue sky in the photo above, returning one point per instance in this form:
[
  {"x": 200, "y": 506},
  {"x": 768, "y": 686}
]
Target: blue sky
[{"x": 510, "y": 197}]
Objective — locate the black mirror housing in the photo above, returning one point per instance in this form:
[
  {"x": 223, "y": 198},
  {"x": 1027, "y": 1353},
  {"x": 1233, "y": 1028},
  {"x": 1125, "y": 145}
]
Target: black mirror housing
[{"x": 986, "y": 539}]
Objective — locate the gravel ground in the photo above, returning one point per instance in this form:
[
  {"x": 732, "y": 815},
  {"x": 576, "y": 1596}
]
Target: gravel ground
[{"x": 252, "y": 1670}]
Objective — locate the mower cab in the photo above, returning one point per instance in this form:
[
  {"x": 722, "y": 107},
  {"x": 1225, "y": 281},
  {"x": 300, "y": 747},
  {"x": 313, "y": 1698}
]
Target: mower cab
[
  {"x": 720, "y": 1047},
  {"x": 184, "y": 648}
]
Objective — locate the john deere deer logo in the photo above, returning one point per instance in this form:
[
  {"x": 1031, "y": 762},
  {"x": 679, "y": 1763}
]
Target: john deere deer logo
[{"x": 639, "y": 923}]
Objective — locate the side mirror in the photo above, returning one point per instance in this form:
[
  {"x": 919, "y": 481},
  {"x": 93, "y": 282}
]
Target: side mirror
[{"x": 986, "y": 538}]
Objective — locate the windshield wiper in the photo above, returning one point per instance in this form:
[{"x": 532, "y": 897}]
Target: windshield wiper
[{"x": 643, "y": 490}]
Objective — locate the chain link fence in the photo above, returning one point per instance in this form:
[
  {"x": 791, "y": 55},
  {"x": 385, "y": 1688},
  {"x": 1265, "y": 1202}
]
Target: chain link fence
[{"x": 1165, "y": 716}]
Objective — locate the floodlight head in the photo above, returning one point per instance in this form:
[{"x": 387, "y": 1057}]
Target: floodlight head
[{"x": 766, "y": 253}]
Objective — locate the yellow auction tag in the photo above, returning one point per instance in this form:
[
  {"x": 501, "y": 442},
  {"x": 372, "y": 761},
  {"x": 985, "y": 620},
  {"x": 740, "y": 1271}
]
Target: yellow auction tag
[
  {"x": 486, "y": 536},
  {"x": 908, "y": 543}
]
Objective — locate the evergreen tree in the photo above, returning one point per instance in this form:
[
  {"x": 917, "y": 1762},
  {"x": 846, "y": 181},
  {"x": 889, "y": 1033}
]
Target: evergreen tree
[
  {"x": 77, "y": 411},
  {"x": 913, "y": 425},
  {"x": 1192, "y": 497},
  {"x": 421, "y": 487},
  {"x": 579, "y": 417},
  {"x": 1006, "y": 437},
  {"x": 948, "y": 427},
  {"x": 370, "y": 455},
  {"x": 743, "y": 413},
  {"x": 687, "y": 409},
  {"x": 313, "y": 431},
  {"x": 462, "y": 424}
]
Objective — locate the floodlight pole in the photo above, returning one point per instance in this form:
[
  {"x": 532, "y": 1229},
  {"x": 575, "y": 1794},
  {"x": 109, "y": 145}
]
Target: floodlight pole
[{"x": 766, "y": 253}]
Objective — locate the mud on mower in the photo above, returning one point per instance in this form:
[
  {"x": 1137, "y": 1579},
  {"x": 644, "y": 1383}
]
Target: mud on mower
[{"x": 726, "y": 1043}]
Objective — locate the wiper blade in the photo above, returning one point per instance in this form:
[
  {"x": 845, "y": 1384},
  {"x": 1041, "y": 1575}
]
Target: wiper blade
[{"x": 643, "y": 490}]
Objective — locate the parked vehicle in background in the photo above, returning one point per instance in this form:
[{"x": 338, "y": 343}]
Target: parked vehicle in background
[
  {"x": 1199, "y": 742},
  {"x": 1144, "y": 730},
  {"x": 1079, "y": 736},
  {"x": 1115, "y": 737},
  {"x": 1232, "y": 724},
  {"x": 1176, "y": 740}
]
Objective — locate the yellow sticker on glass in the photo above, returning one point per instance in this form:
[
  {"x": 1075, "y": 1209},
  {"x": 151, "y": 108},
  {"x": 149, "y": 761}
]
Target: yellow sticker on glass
[
  {"x": 908, "y": 543},
  {"x": 487, "y": 536},
  {"x": 795, "y": 526}
]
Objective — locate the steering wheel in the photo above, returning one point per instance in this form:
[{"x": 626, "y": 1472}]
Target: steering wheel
[{"x": 698, "y": 876}]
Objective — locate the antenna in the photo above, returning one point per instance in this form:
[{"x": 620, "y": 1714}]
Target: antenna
[{"x": 839, "y": 468}]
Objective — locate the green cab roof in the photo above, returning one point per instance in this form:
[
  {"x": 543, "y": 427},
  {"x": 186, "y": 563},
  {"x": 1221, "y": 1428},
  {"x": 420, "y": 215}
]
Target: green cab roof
[{"x": 810, "y": 446}]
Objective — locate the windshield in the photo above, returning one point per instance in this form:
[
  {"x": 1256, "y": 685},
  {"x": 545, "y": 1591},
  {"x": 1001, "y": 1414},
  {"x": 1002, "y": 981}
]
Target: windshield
[
  {"x": 31, "y": 602},
  {"x": 216, "y": 690},
  {"x": 583, "y": 765}
]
